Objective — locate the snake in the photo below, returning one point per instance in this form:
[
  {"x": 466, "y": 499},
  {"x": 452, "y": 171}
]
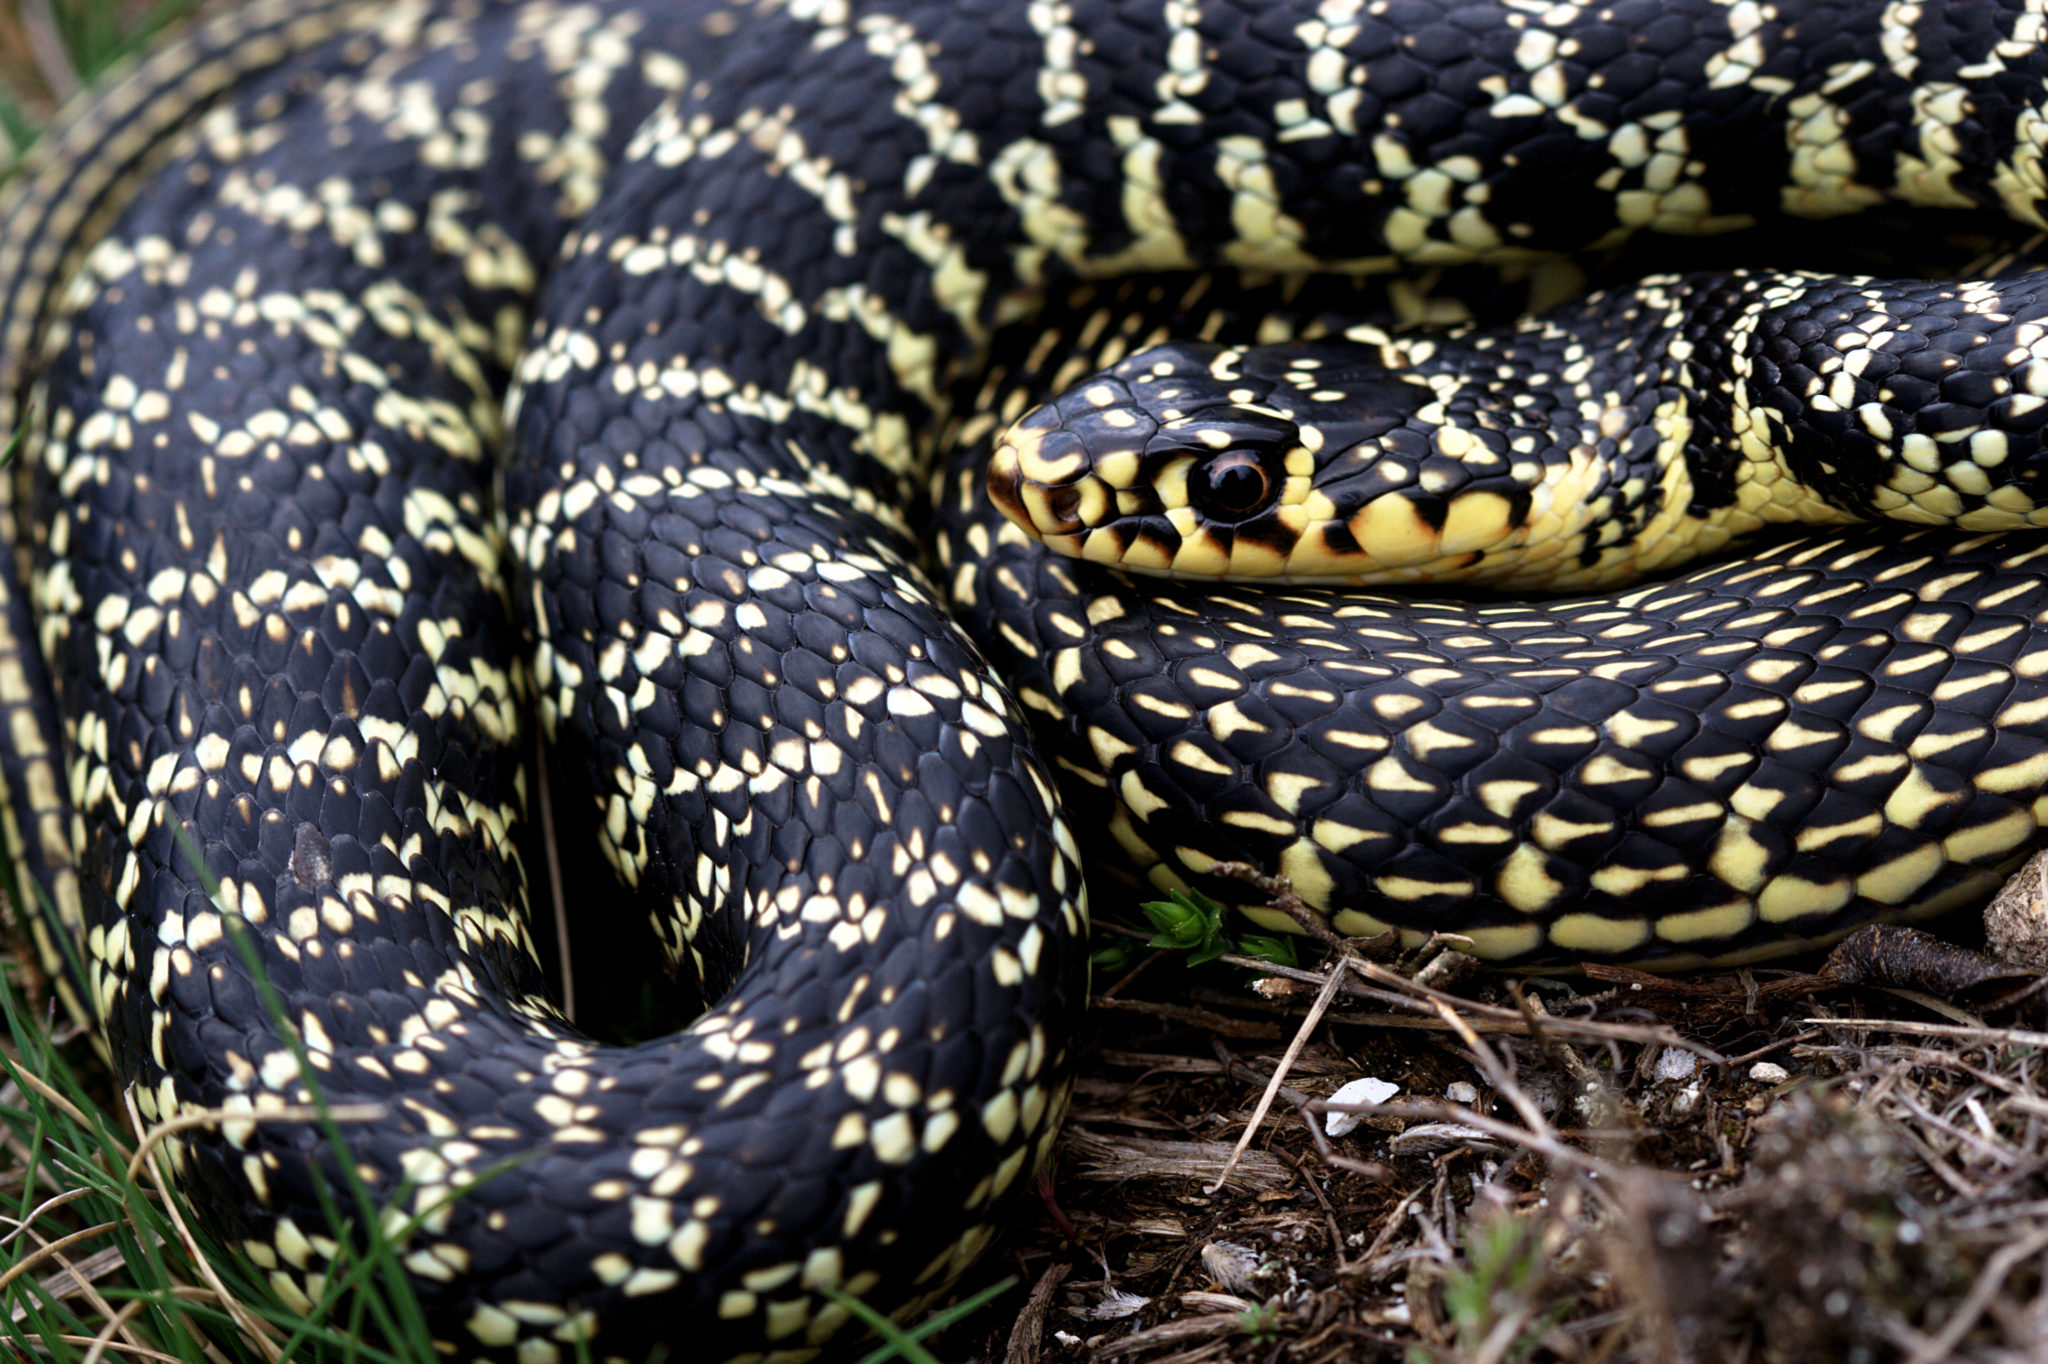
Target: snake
[{"x": 400, "y": 385}]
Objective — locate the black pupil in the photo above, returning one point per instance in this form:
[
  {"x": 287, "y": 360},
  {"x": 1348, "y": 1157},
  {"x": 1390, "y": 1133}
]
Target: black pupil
[{"x": 1235, "y": 487}]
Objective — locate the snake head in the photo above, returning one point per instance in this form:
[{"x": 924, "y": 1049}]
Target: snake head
[
  {"x": 1168, "y": 463},
  {"x": 1372, "y": 459}
]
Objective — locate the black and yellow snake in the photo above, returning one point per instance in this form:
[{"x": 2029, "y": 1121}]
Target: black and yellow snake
[{"x": 294, "y": 577}]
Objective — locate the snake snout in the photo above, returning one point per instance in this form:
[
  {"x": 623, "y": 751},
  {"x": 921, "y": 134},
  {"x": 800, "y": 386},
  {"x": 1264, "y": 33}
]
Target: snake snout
[
  {"x": 1006, "y": 484},
  {"x": 1030, "y": 483}
]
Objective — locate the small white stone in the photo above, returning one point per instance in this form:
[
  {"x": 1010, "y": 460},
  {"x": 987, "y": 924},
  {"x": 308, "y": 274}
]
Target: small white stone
[
  {"x": 1769, "y": 1073},
  {"x": 1366, "y": 1091},
  {"x": 1674, "y": 1064},
  {"x": 1462, "y": 1092}
]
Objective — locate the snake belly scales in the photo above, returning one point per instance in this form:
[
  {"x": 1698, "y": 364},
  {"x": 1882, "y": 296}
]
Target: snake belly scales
[{"x": 294, "y": 580}]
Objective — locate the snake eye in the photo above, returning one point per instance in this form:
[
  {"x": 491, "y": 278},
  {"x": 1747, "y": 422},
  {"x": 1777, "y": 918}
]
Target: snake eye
[{"x": 1229, "y": 487}]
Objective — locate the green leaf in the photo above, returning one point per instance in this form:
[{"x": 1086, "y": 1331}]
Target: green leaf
[
  {"x": 1111, "y": 956},
  {"x": 1278, "y": 950}
]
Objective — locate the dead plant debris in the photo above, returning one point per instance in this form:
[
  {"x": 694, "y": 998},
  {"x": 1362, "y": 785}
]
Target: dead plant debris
[{"x": 1756, "y": 1165}]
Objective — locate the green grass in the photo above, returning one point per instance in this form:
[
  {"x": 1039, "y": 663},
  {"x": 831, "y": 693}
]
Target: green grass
[
  {"x": 97, "y": 1260},
  {"x": 1494, "y": 1295},
  {"x": 64, "y": 46}
]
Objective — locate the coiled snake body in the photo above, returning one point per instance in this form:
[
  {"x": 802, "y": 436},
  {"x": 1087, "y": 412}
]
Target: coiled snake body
[{"x": 267, "y": 662}]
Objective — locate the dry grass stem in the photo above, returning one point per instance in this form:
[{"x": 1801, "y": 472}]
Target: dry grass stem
[
  {"x": 1301, "y": 1036},
  {"x": 217, "y": 1117},
  {"x": 255, "y": 1331}
]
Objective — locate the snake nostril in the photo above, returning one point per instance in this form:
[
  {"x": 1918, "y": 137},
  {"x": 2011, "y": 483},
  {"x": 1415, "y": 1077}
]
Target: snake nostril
[{"x": 1064, "y": 503}]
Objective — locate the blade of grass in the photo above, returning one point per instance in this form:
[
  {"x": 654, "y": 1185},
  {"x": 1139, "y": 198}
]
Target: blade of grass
[{"x": 903, "y": 1343}]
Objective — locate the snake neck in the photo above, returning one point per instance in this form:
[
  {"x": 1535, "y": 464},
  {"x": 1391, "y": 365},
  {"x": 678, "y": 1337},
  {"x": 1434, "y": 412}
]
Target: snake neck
[{"x": 1635, "y": 431}]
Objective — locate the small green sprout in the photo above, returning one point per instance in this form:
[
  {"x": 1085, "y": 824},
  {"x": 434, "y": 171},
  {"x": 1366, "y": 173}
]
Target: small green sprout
[
  {"x": 1188, "y": 922},
  {"x": 1261, "y": 1321}
]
